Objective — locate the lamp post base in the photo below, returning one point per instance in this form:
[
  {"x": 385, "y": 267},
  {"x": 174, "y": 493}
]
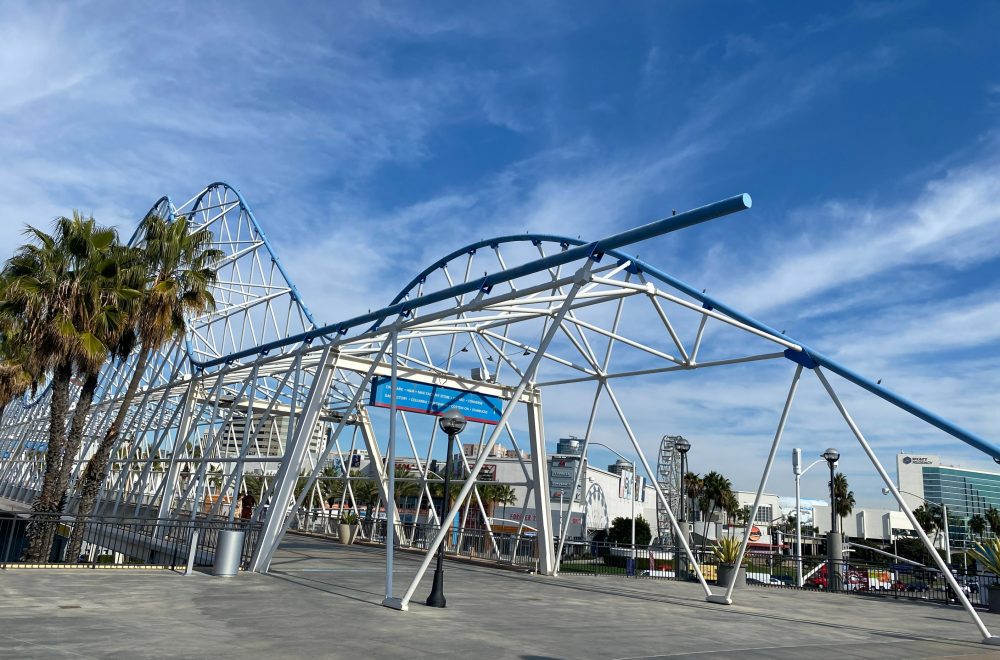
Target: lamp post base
[{"x": 436, "y": 599}]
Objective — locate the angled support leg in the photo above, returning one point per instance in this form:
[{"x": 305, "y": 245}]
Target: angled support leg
[
  {"x": 728, "y": 597},
  {"x": 988, "y": 638}
]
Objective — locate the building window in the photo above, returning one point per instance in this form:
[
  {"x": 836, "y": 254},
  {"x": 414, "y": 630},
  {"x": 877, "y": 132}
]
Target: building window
[{"x": 763, "y": 514}]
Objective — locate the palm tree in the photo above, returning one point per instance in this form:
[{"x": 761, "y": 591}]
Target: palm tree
[
  {"x": 977, "y": 525},
  {"x": 404, "y": 489},
  {"x": 366, "y": 494},
  {"x": 844, "y": 498},
  {"x": 993, "y": 518},
  {"x": 714, "y": 491},
  {"x": 60, "y": 302},
  {"x": 15, "y": 380},
  {"x": 927, "y": 519},
  {"x": 177, "y": 270},
  {"x": 499, "y": 494},
  {"x": 731, "y": 505},
  {"x": 692, "y": 488}
]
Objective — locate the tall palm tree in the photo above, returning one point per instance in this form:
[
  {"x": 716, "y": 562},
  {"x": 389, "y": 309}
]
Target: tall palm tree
[
  {"x": 500, "y": 494},
  {"x": 977, "y": 525},
  {"x": 927, "y": 520},
  {"x": 844, "y": 498},
  {"x": 731, "y": 505},
  {"x": 177, "y": 267},
  {"x": 60, "y": 301},
  {"x": 366, "y": 494},
  {"x": 692, "y": 488},
  {"x": 993, "y": 518},
  {"x": 15, "y": 379},
  {"x": 714, "y": 491}
]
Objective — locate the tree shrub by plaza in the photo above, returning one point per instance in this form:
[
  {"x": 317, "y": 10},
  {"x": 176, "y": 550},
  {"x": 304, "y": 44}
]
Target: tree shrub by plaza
[{"x": 621, "y": 531}]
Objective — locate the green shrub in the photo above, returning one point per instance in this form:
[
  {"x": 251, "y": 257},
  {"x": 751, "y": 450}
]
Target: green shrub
[{"x": 621, "y": 531}]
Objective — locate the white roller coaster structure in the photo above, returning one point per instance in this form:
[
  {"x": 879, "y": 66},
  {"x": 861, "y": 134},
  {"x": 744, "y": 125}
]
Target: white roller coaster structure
[{"x": 258, "y": 383}]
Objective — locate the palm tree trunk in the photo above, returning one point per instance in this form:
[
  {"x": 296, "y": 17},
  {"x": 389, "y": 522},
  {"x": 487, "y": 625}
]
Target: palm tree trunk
[
  {"x": 40, "y": 534},
  {"x": 75, "y": 437},
  {"x": 93, "y": 475}
]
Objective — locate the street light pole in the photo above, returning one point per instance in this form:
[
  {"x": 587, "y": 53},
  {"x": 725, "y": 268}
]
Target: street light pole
[
  {"x": 682, "y": 446},
  {"x": 944, "y": 516},
  {"x": 452, "y": 422},
  {"x": 834, "y": 549},
  {"x": 798, "y": 471},
  {"x": 631, "y": 494}
]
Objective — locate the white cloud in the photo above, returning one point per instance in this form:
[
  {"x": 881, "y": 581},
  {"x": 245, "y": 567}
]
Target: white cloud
[{"x": 953, "y": 223}]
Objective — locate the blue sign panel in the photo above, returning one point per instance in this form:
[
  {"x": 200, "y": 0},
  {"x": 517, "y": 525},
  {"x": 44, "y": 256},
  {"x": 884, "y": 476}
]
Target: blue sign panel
[{"x": 436, "y": 399}]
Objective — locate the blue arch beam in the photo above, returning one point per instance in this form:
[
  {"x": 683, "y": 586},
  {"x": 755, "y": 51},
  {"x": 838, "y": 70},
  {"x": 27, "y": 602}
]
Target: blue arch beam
[
  {"x": 583, "y": 251},
  {"x": 577, "y": 250}
]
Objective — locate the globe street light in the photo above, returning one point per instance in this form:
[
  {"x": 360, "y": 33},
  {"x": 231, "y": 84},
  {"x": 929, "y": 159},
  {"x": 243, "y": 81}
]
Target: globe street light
[
  {"x": 452, "y": 422},
  {"x": 682, "y": 445},
  {"x": 834, "y": 549}
]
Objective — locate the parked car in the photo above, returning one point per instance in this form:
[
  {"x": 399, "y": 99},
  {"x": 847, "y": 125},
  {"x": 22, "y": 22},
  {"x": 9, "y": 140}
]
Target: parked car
[{"x": 783, "y": 580}]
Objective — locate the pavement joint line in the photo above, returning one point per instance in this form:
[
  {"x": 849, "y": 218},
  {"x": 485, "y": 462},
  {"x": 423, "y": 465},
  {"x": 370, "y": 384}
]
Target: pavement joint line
[
  {"x": 764, "y": 648},
  {"x": 738, "y": 610},
  {"x": 48, "y": 647}
]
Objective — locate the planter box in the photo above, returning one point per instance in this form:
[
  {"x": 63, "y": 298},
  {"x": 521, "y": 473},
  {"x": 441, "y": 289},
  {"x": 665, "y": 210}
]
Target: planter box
[
  {"x": 725, "y": 574},
  {"x": 347, "y": 533}
]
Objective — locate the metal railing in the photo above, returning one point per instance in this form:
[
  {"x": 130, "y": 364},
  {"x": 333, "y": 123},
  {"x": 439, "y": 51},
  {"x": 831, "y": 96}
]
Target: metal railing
[
  {"x": 470, "y": 542},
  {"x": 780, "y": 571},
  {"x": 122, "y": 541}
]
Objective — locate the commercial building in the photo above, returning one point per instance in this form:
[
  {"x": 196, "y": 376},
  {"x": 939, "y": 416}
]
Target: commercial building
[{"x": 964, "y": 491}]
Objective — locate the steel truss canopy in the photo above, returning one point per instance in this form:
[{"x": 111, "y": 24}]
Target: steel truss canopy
[{"x": 258, "y": 396}]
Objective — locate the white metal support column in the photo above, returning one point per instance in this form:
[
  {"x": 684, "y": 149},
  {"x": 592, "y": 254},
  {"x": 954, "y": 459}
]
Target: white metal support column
[
  {"x": 288, "y": 472},
  {"x": 183, "y": 428},
  {"x": 374, "y": 454},
  {"x": 988, "y": 638},
  {"x": 540, "y": 485},
  {"x": 582, "y": 277},
  {"x": 659, "y": 491},
  {"x": 390, "y": 473},
  {"x": 728, "y": 597}
]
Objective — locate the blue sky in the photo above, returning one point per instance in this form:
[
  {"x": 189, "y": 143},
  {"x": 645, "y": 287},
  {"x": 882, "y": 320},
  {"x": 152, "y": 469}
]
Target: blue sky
[{"x": 867, "y": 135}]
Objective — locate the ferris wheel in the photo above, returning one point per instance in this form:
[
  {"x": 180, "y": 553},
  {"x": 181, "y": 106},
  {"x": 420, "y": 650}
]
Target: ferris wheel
[{"x": 668, "y": 476}]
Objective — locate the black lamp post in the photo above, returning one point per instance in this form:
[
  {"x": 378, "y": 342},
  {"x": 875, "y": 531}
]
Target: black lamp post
[
  {"x": 832, "y": 456},
  {"x": 834, "y": 549},
  {"x": 682, "y": 446},
  {"x": 452, "y": 422}
]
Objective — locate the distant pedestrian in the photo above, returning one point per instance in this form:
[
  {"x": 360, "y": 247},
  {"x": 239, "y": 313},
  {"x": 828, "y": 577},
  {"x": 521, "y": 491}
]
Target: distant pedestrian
[{"x": 247, "y": 503}]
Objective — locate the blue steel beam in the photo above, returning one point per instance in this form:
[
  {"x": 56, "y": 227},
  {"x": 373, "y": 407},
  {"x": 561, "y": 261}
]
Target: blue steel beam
[
  {"x": 596, "y": 248},
  {"x": 609, "y": 246}
]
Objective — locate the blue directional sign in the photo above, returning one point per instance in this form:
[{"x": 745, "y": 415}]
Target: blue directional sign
[{"x": 436, "y": 399}]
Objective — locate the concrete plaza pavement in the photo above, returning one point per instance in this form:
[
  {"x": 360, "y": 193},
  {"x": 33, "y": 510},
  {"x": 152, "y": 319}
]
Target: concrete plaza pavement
[{"x": 322, "y": 601}]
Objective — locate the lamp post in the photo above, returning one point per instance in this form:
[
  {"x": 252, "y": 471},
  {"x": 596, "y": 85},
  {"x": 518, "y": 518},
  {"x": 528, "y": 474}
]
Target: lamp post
[
  {"x": 798, "y": 471},
  {"x": 452, "y": 422},
  {"x": 631, "y": 493},
  {"x": 682, "y": 445},
  {"x": 944, "y": 516},
  {"x": 834, "y": 549}
]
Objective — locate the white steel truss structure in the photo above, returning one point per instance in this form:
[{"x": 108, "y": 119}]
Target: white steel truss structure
[{"x": 257, "y": 389}]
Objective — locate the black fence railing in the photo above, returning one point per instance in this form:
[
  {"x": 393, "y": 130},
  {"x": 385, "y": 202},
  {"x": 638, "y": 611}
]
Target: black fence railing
[
  {"x": 122, "y": 541},
  {"x": 782, "y": 571},
  {"x": 470, "y": 542}
]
